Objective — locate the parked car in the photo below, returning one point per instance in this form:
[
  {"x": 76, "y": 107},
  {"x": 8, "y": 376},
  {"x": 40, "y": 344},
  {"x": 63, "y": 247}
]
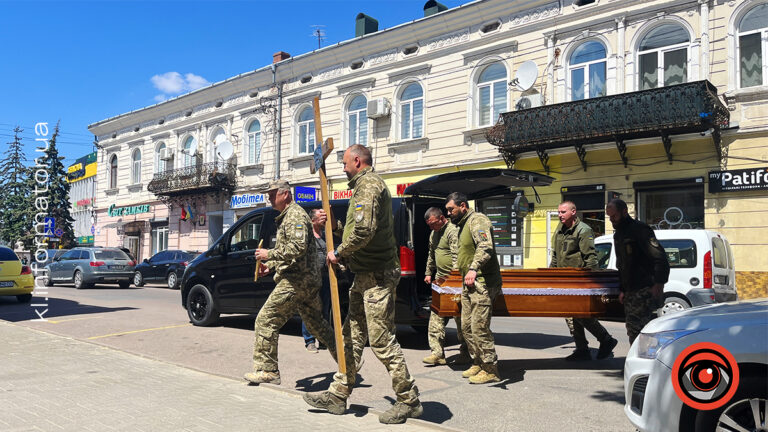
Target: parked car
[
  {"x": 701, "y": 267},
  {"x": 15, "y": 279},
  {"x": 652, "y": 403},
  {"x": 50, "y": 254},
  {"x": 85, "y": 267},
  {"x": 167, "y": 266}
]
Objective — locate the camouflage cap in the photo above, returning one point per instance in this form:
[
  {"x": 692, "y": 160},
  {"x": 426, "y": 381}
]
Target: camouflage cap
[{"x": 278, "y": 184}]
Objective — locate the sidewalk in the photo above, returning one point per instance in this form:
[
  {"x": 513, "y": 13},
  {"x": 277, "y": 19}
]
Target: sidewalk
[{"x": 54, "y": 383}]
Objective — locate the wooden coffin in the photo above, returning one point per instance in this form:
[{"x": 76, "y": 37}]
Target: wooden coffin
[{"x": 544, "y": 292}]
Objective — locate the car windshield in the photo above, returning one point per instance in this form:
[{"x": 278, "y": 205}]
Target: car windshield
[
  {"x": 110, "y": 254},
  {"x": 7, "y": 255},
  {"x": 603, "y": 254}
]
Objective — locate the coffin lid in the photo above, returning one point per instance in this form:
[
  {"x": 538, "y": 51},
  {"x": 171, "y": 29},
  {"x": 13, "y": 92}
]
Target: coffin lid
[{"x": 477, "y": 183}]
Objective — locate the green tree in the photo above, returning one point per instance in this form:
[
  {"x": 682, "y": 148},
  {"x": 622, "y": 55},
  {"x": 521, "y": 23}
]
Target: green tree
[
  {"x": 14, "y": 199},
  {"x": 59, "y": 206}
]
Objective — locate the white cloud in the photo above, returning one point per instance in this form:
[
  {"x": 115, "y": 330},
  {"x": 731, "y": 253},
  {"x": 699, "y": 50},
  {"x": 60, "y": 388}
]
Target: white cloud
[{"x": 173, "y": 83}]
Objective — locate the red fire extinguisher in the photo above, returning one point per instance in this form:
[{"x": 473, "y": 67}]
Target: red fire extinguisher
[{"x": 407, "y": 261}]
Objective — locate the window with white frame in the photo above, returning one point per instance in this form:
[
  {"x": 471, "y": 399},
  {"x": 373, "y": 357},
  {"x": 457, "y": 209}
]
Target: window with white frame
[
  {"x": 189, "y": 150},
  {"x": 253, "y": 143},
  {"x": 217, "y": 136},
  {"x": 663, "y": 57},
  {"x": 412, "y": 112},
  {"x": 357, "y": 121},
  {"x": 113, "y": 172},
  {"x": 491, "y": 94},
  {"x": 160, "y": 155},
  {"x": 586, "y": 70},
  {"x": 136, "y": 167},
  {"x": 159, "y": 239},
  {"x": 306, "y": 130},
  {"x": 753, "y": 47}
]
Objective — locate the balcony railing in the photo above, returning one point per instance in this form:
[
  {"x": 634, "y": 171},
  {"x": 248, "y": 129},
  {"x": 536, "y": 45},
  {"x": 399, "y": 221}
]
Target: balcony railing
[
  {"x": 200, "y": 178},
  {"x": 660, "y": 112}
]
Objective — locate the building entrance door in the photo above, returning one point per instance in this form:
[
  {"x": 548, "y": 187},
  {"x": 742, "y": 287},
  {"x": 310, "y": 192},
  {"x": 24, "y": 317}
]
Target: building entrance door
[{"x": 133, "y": 243}]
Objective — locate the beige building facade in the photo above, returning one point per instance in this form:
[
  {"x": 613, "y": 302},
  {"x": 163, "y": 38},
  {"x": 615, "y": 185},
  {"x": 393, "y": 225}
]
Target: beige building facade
[{"x": 422, "y": 96}]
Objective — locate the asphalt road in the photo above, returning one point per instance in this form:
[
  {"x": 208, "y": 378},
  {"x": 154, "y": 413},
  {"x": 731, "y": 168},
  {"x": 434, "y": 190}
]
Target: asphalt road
[{"x": 539, "y": 390}]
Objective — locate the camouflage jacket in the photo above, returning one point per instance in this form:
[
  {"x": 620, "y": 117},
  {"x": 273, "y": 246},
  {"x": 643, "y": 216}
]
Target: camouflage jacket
[
  {"x": 443, "y": 250},
  {"x": 574, "y": 246},
  {"x": 476, "y": 249},
  {"x": 640, "y": 259},
  {"x": 368, "y": 241},
  {"x": 295, "y": 252}
]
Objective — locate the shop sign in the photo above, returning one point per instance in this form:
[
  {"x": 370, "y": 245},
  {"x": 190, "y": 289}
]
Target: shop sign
[
  {"x": 128, "y": 210},
  {"x": 738, "y": 180},
  {"x": 342, "y": 194},
  {"x": 401, "y": 188},
  {"x": 84, "y": 240},
  {"x": 247, "y": 200},
  {"x": 83, "y": 202},
  {"x": 305, "y": 194}
]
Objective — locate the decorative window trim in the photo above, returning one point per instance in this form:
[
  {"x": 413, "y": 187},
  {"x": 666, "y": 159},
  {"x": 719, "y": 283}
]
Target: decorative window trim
[
  {"x": 355, "y": 85},
  {"x": 422, "y": 69},
  {"x": 246, "y": 125},
  {"x": 135, "y": 187},
  {"x": 300, "y": 159},
  {"x": 648, "y": 27},
  {"x": 397, "y": 109},
  {"x": 297, "y": 129},
  {"x": 112, "y": 191},
  {"x": 569, "y": 67},
  {"x": 345, "y": 118},
  {"x": 306, "y": 97},
  {"x": 478, "y": 132},
  {"x": 421, "y": 144},
  {"x": 252, "y": 167},
  {"x": 137, "y": 143},
  {"x": 133, "y": 170}
]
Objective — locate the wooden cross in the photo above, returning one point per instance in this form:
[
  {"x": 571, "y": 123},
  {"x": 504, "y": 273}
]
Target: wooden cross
[{"x": 322, "y": 150}]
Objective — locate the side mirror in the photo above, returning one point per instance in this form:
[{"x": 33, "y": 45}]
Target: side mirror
[
  {"x": 146, "y": 260},
  {"x": 56, "y": 258},
  {"x": 221, "y": 249}
]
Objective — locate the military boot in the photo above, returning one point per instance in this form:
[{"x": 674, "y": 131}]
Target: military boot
[
  {"x": 433, "y": 359},
  {"x": 400, "y": 412},
  {"x": 488, "y": 374},
  {"x": 463, "y": 357},
  {"x": 327, "y": 401},
  {"x": 474, "y": 370},
  {"x": 261, "y": 377}
]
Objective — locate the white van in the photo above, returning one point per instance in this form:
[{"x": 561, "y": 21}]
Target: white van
[{"x": 701, "y": 269}]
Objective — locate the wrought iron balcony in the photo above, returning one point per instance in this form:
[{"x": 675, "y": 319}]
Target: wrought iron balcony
[
  {"x": 660, "y": 112},
  {"x": 200, "y": 178}
]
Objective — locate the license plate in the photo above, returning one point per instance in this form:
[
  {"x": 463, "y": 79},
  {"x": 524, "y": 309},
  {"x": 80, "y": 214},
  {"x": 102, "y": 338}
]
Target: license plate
[
  {"x": 116, "y": 267},
  {"x": 6, "y": 284}
]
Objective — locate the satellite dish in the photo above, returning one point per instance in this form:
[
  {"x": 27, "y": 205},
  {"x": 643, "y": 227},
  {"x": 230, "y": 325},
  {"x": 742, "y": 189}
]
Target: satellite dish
[
  {"x": 526, "y": 75},
  {"x": 225, "y": 148}
]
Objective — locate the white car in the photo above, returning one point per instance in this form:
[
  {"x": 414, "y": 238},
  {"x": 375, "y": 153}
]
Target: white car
[
  {"x": 701, "y": 267},
  {"x": 653, "y": 404}
]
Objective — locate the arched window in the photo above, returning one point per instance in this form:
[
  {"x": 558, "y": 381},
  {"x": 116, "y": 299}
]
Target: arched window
[
  {"x": 753, "y": 47},
  {"x": 587, "y": 71},
  {"x": 412, "y": 112},
  {"x": 189, "y": 150},
  {"x": 663, "y": 57},
  {"x": 253, "y": 146},
  {"x": 491, "y": 94},
  {"x": 136, "y": 167},
  {"x": 306, "y": 130},
  {"x": 113, "y": 172},
  {"x": 160, "y": 158},
  {"x": 357, "y": 121},
  {"x": 217, "y": 136}
]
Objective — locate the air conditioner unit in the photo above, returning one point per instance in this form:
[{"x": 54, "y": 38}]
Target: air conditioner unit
[
  {"x": 166, "y": 154},
  {"x": 529, "y": 101},
  {"x": 377, "y": 108}
]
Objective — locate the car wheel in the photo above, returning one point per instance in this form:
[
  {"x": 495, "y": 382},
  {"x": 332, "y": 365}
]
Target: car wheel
[
  {"x": 138, "y": 280},
  {"x": 745, "y": 411},
  {"x": 77, "y": 279},
  {"x": 124, "y": 284},
  {"x": 200, "y": 307},
  {"x": 48, "y": 281},
  {"x": 24, "y": 298},
  {"x": 674, "y": 304},
  {"x": 173, "y": 280}
]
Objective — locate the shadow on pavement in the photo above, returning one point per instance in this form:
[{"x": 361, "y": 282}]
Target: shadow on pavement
[
  {"x": 607, "y": 396},
  {"x": 50, "y": 309},
  {"x": 436, "y": 412},
  {"x": 321, "y": 382},
  {"x": 531, "y": 340}
]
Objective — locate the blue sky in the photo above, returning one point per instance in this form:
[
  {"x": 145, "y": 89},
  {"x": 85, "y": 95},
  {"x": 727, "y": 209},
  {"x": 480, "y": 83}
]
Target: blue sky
[{"x": 81, "y": 62}]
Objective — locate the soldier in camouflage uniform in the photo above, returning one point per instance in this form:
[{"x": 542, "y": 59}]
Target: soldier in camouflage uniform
[
  {"x": 574, "y": 246},
  {"x": 368, "y": 248},
  {"x": 479, "y": 265},
  {"x": 297, "y": 285},
  {"x": 642, "y": 264},
  {"x": 441, "y": 259}
]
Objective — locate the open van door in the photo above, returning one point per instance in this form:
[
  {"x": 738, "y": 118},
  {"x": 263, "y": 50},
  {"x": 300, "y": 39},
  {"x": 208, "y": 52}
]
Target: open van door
[{"x": 477, "y": 184}]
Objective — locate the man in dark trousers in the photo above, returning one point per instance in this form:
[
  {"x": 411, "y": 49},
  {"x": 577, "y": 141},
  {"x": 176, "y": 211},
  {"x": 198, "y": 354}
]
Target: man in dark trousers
[
  {"x": 642, "y": 264},
  {"x": 574, "y": 246}
]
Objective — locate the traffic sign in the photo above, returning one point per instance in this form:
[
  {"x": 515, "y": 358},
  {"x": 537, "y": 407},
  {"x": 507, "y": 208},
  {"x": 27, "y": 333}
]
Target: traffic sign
[
  {"x": 58, "y": 232},
  {"x": 93, "y": 229},
  {"x": 50, "y": 222}
]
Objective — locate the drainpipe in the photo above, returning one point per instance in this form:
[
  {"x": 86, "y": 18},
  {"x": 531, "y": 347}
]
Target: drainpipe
[
  {"x": 278, "y": 120},
  {"x": 704, "y": 24}
]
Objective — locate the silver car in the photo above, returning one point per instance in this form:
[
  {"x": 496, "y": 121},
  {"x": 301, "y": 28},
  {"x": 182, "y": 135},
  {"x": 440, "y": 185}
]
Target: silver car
[{"x": 85, "y": 267}]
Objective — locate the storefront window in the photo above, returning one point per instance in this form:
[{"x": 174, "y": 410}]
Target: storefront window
[
  {"x": 159, "y": 239},
  {"x": 672, "y": 208}
]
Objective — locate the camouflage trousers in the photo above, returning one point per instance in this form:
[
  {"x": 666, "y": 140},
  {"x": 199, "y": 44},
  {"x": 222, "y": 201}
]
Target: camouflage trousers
[
  {"x": 640, "y": 308},
  {"x": 476, "y": 312},
  {"x": 577, "y": 326},
  {"x": 436, "y": 334},
  {"x": 284, "y": 302},
  {"x": 371, "y": 317}
]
